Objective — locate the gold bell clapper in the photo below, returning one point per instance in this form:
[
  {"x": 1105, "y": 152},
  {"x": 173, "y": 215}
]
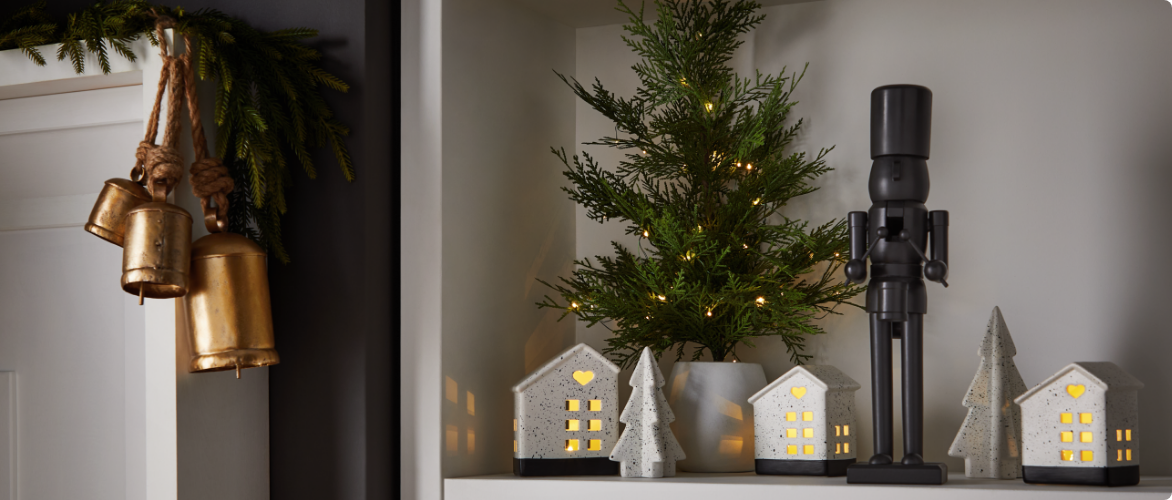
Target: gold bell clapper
[
  {"x": 156, "y": 250},
  {"x": 229, "y": 315},
  {"x": 108, "y": 218}
]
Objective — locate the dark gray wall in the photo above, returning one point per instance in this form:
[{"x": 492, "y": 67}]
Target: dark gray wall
[{"x": 330, "y": 398}]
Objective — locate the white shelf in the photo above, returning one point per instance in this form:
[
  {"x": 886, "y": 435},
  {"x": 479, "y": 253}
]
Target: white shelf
[{"x": 750, "y": 486}]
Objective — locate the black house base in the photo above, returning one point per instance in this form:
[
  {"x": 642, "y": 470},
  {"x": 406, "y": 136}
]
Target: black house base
[
  {"x": 897, "y": 473},
  {"x": 594, "y": 466},
  {"x": 777, "y": 467},
  {"x": 1093, "y": 476}
]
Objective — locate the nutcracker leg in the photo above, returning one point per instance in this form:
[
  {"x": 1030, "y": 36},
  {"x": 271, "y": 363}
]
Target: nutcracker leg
[
  {"x": 913, "y": 390},
  {"x": 881, "y": 390}
]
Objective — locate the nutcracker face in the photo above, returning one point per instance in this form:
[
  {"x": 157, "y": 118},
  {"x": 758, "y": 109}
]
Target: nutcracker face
[{"x": 899, "y": 178}]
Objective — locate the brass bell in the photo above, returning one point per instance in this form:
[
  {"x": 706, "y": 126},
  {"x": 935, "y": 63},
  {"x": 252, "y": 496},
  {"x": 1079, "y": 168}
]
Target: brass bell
[
  {"x": 228, "y": 311},
  {"x": 156, "y": 253},
  {"x": 108, "y": 218}
]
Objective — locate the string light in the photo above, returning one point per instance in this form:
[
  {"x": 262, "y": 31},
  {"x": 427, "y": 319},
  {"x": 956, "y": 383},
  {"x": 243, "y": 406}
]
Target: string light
[
  {"x": 746, "y": 246},
  {"x": 573, "y": 305},
  {"x": 646, "y": 234},
  {"x": 710, "y": 313},
  {"x": 749, "y": 166},
  {"x": 836, "y": 254},
  {"x": 708, "y": 106},
  {"x": 756, "y": 201},
  {"x": 660, "y": 297},
  {"x": 760, "y": 301}
]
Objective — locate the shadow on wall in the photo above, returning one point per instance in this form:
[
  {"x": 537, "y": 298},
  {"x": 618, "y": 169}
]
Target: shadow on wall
[{"x": 1142, "y": 302}]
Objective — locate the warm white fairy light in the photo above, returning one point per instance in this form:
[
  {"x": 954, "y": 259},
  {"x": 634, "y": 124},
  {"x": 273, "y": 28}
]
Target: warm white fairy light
[
  {"x": 744, "y": 245},
  {"x": 708, "y": 106},
  {"x": 760, "y": 301},
  {"x": 573, "y": 305},
  {"x": 749, "y": 166},
  {"x": 836, "y": 254},
  {"x": 710, "y": 313},
  {"x": 660, "y": 297},
  {"x": 646, "y": 234},
  {"x": 756, "y": 201}
]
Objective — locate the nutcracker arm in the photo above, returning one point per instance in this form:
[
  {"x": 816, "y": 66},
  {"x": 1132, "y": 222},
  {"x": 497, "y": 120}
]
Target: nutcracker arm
[
  {"x": 856, "y": 268},
  {"x": 937, "y": 267}
]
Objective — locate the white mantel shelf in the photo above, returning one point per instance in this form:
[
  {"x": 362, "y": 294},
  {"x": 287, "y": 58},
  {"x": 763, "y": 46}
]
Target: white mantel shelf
[{"x": 749, "y": 486}]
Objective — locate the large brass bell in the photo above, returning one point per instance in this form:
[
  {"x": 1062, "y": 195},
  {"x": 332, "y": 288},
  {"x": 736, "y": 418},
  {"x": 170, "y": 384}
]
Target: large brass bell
[
  {"x": 156, "y": 252},
  {"x": 228, "y": 311},
  {"x": 108, "y": 218}
]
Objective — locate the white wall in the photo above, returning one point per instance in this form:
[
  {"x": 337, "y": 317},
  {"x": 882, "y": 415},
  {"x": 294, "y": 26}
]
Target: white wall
[
  {"x": 1048, "y": 149},
  {"x": 505, "y": 223}
]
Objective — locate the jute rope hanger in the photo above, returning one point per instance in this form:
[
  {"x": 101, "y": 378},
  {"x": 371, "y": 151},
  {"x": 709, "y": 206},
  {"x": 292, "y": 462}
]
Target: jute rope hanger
[
  {"x": 160, "y": 167},
  {"x": 210, "y": 179}
]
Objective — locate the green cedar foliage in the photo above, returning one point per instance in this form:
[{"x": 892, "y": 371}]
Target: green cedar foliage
[
  {"x": 269, "y": 108},
  {"x": 703, "y": 186}
]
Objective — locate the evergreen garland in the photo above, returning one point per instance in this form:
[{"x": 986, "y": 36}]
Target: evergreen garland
[
  {"x": 268, "y": 93},
  {"x": 708, "y": 172}
]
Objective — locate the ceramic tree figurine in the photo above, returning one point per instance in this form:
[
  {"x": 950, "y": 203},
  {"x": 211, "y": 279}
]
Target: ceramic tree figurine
[
  {"x": 1081, "y": 426},
  {"x": 647, "y": 447},
  {"x": 805, "y": 423},
  {"x": 566, "y": 415},
  {"x": 989, "y": 441}
]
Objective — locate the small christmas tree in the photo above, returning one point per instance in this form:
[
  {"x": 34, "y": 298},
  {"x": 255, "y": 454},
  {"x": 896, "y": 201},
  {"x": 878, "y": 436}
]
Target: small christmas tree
[
  {"x": 990, "y": 438},
  {"x": 647, "y": 447},
  {"x": 707, "y": 175}
]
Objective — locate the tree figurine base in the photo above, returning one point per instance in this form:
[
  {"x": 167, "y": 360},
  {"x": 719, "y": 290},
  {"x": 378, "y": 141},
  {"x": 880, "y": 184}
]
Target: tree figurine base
[{"x": 933, "y": 473}]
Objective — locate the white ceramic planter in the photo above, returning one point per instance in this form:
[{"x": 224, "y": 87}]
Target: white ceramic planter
[{"x": 714, "y": 421}]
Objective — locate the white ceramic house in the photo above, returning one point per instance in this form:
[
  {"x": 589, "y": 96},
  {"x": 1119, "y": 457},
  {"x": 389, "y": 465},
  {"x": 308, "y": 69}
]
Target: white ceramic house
[
  {"x": 804, "y": 423},
  {"x": 1081, "y": 426},
  {"x": 567, "y": 416}
]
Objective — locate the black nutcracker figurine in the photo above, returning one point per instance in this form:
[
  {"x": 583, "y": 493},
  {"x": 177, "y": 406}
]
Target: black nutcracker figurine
[{"x": 895, "y": 233}]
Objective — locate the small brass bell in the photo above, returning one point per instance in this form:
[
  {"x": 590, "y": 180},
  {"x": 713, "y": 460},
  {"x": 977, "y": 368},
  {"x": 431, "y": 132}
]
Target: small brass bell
[
  {"x": 156, "y": 253},
  {"x": 228, "y": 310},
  {"x": 108, "y": 218}
]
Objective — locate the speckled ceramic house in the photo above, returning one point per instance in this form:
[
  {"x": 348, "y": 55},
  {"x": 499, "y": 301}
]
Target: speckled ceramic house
[
  {"x": 804, "y": 423},
  {"x": 567, "y": 416},
  {"x": 1081, "y": 426}
]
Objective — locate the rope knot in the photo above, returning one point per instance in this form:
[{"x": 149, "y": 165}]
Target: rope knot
[
  {"x": 164, "y": 166},
  {"x": 209, "y": 177}
]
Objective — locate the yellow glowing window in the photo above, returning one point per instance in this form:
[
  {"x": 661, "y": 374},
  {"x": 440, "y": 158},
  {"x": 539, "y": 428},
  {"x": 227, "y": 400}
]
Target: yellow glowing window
[
  {"x": 791, "y": 433},
  {"x": 594, "y": 425},
  {"x": 514, "y": 446},
  {"x": 808, "y": 449},
  {"x": 514, "y": 425},
  {"x": 846, "y": 447},
  {"x": 1067, "y": 455},
  {"x": 1084, "y": 418},
  {"x": 1128, "y": 455},
  {"x": 838, "y": 430},
  {"x": 792, "y": 449},
  {"x": 595, "y": 445},
  {"x": 571, "y": 425},
  {"x": 1119, "y": 455},
  {"x": 846, "y": 430},
  {"x": 572, "y": 445},
  {"x": 791, "y": 416},
  {"x": 1066, "y": 418},
  {"x": 838, "y": 447},
  {"x": 807, "y": 416},
  {"x": 1067, "y": 437},
  {"x": 808, "y": 432},
  {"x": 1087, "y": 455},
  {"x": 571, "y": 405},
  {"x": 1127, "y": 434},
  {"x": 1119, "y": 434},
  {"x": 595, "y": 405},
  {"x": 1086, "y": 437}
]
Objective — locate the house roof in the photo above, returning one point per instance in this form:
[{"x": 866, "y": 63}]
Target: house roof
[
  {"x": 557, "y": 361},
  {"x": 1105, "y": 374},
  {"x": 826, "y": 377}
]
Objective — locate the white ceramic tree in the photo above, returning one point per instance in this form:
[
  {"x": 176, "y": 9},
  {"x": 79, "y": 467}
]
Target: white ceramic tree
[
  {"x": 990, "y": 438},
  {"x": 647, "y": 447}
]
